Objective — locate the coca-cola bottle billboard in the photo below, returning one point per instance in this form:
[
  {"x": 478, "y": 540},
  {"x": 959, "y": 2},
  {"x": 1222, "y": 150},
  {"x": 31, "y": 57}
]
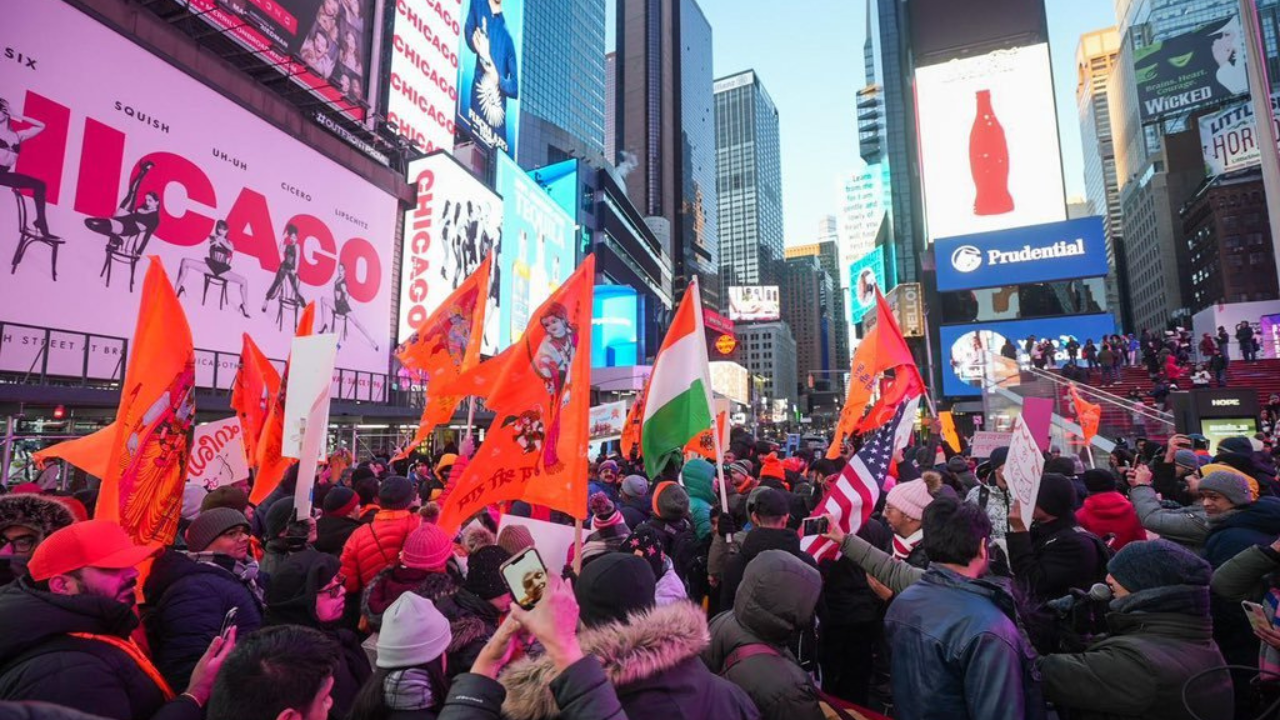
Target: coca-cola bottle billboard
[{"x": 989, "y": 161}]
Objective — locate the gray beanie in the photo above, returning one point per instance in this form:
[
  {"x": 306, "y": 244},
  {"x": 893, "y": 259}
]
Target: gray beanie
[
  {"x": 1229, "y": 485},
  {"x": 1187, "y": 459},
  {"x": 413, "y": 632},
  {"x": 210, "y": 524},
  {"x": 635, "y": 486}
]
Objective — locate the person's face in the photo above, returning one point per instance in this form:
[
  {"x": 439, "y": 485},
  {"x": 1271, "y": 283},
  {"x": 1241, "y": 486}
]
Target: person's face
[
  {"x": 4, "y": 109},
  {"x": 113, "y": 584},
  {"x": 220, "y": 231},
  {"x": 19, "y": 541},
  {"x": 1214, "y": 504},
  {"x": 555, "y": 326},
  {"x": 330, "y": 8},
  {"x": 233, "y": 542},
  {"x": 331, "y": 601},
  {"x": 152, "y": 202},
  {"x": 535, "y": 581},
  {"x": 1117, "y": 590},
  {"x": 609, "y": 475},
  {"x": 998, "y": 474},
  {"x": 902, "y": 525}
]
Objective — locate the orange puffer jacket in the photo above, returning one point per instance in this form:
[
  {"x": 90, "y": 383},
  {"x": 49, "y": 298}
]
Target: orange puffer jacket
[{"x": 374, "y": 547}]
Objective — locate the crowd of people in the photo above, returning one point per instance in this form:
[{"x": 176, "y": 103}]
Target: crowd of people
[{"x": 1120, "y": 599}]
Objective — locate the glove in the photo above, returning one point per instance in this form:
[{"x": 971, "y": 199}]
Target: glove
[{"x": 726, "y": 526}]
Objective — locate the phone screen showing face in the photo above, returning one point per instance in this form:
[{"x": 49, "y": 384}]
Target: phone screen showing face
[
  {"x": 526, "y": 577},
  {"x": 814, "y": 526}
]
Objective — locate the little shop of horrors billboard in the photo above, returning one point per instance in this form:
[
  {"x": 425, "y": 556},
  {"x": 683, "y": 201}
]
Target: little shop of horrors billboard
[{"x": 109, "y": 155}]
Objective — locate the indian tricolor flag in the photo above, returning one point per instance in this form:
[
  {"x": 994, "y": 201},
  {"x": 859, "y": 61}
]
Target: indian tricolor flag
[{"x": 678, "y": 404}]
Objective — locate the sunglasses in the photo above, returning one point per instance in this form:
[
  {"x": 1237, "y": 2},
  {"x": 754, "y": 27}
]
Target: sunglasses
[{"x": 335, "y": 590}]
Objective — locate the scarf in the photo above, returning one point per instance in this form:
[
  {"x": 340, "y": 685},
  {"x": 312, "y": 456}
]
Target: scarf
[
  {"x": 408, "y": 690},
  {"x": 245, "y": 571},
  {"x": 903, "y": 547}
]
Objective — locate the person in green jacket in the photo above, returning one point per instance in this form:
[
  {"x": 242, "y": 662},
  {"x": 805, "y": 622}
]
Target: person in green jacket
[{"x": 1160, "y": 637}]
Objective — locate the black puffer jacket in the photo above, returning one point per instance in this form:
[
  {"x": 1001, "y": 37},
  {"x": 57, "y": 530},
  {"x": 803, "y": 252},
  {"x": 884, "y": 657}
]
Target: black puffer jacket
[
  {"x": 40, "y": 661},
  {"x": 847, "y": 597},
  {"x": 188, "y": 602},
  {"x": 759, "y": 540},
  {"x": 332, "y": 533}
]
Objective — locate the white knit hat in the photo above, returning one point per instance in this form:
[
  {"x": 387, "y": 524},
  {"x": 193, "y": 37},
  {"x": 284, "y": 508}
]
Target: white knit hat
[{"x": 413, "y": 632}]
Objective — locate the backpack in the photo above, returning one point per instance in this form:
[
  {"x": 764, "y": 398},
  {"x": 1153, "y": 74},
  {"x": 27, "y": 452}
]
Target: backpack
[{"x": 832, "y": 707}]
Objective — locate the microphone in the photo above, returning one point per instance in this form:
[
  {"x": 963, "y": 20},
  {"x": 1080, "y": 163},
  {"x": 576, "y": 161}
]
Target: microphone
[{"x": 1065, "y": 604}]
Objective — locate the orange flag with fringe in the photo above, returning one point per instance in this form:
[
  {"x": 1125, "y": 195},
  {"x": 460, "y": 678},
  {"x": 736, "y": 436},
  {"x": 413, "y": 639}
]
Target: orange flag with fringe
[
  {"x": 445, "y": 346},
  {"x": 536, "y": 448},
  {"x": 271, "y": 464},
  {"x": 882, "y": 348},
  {"x": 142, "y": 487},
  {"x": 256, "y": 384}
]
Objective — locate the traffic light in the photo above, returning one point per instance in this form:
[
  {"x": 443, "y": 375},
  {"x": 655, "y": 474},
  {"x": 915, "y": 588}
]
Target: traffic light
[{"x": 59, "y": 412}]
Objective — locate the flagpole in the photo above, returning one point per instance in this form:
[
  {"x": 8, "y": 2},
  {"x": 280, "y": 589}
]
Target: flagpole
[
  {"x": 715, "y": 436},
  {"x": 577, "y": 546},
  {"x": 471, "y": 414}
]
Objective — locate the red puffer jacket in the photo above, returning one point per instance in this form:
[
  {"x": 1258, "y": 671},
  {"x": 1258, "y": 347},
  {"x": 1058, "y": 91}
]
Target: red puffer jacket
[
  {"x": 374, "y": 547},
  {"x": 1110, "y": 513}
]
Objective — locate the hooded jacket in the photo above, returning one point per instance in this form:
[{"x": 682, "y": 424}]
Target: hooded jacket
[
  {"x": 582, "y": 692},
  {"x": 698, "y": 475},
  {"x": 1109, "y": 513},
  {"x": 1054, "y": 557},
  {"x": 968, "y": 663},
  {"x": 40, "y": 661},
  {"x": 472, "y": 621},
  {"x": 397, "y": 580},
  {"x": 1157, "y": 640},
  {"x": 774, "y": 604},
  {"x": 187, "y": 602},
  {"x": 652, "y": 662},
  {"x": 759, "y": 540}
]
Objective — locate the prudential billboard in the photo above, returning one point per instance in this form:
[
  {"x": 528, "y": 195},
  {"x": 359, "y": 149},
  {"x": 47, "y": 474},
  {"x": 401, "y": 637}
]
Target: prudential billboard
[
  {"x": 989, "y": 143},
  {"x": 1040, "y": 253}
]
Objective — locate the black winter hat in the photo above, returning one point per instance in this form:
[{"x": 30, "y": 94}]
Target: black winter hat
[
  {"x": 1238, "y": 444},
  {"x": 1158, "y": 563},
  {"x": 340, "y": 500},
  {"x": 1057, "y": 495},
  {"x": 1061, "y": 465},
  {"x": 211, "y": 523},
  {"x": 291, "y": 594},
  {"x": 613, "y": 587},
  {"x": 278, "y": 517},
  {"x": 39, "y": 514},
  {"x": 396, "y": 493},
  {"x": 998, "y": 458},
  {"x": 484, "y": 577},
  {"x": 1099, "y": 480}
]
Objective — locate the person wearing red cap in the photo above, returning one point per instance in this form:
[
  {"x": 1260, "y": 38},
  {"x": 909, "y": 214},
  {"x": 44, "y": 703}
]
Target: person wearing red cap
[{"x": 65, "y": 627}]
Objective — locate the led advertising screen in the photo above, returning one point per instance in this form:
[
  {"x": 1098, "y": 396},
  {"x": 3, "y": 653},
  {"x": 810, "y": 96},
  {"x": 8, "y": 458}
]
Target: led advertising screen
[
  {"x": 615, "y": 326},
  {"x": 423, "y": 92},
  {"x": 447, "y": 234},
  {"x": 489, "y": 72},
  {"x": 249, "y": 223},
  {"x": 731, "y": 380},
  {"x": 989, "y": 143},
  {"x": 538, "y": 251},
  {"x": 865, "y": 275},
  {"x": 1203, "y": 66},
  {"x": 321, "y": 45},
  {"x": 1054, "y": 251},
  {"x": 1229, "y": 137},
  {"x": 965, "y": 347},
  {"x": 754, "y": 303}
]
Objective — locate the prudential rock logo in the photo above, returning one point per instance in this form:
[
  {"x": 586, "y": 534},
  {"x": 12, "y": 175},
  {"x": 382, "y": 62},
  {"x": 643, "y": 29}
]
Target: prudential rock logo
[{"x": 966, "y": 259}]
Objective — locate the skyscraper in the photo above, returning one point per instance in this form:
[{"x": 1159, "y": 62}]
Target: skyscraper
[
  {"x": 808, "y": 294},
  {"x": 611, "y": 107},
  {"x": 828, "y": 255},
  {"x": 666, "y": 132},
  {"x": 562, "y": 89},
  {"x": 1096, "y": 57},
  {"x": 748, "y": 181}
]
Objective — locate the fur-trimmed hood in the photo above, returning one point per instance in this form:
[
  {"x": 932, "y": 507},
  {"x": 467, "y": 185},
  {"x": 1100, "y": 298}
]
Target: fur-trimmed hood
[
  {"x": 653, "y": 642},
  {"x": 40, "y": 514}
]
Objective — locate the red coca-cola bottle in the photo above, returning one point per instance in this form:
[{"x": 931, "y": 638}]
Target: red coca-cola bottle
[{"x": 989, "y": 161}]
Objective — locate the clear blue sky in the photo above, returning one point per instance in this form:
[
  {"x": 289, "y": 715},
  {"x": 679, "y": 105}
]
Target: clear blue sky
[{"x": 808, "y": 54}]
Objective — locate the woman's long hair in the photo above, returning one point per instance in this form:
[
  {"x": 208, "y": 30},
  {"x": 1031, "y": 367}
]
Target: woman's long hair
[{"x": 371, "y": 702}]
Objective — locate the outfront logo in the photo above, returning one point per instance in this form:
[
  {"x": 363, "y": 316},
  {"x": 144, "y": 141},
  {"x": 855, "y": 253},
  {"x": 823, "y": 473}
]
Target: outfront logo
[{"x": 966, "y": 259}]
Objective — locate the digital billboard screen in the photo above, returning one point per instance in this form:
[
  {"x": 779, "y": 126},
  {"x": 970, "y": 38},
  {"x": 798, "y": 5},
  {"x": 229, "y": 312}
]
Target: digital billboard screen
[
  {"x": 1039, "y": 253},
  {"x": 989, "y": 143},
  {"x": 249, "y": 223},
  {"x": 489, "y": 73},
  {"x": 965, "y": 347},
  {"x": 1203, "y": 66},
  {"x": 1229, "y": 137},
  {"x": 754, "y": 303},
  {"x": 447, "y": 234},
  {"x": 423, "y": 89},
  {"x": 615, "y": 326},
  {"x": 865, "y": 275},
  {"x": 537, "y": 254}
]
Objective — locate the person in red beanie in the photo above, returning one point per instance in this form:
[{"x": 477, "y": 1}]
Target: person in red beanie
[
  {"x": 421, "y": 570},
  {"x": 1108, "y": 514},
  {"x": 772, "y": 473},
  {"x": 341, "y": 518},
  {"x": 65, "y": 627}
]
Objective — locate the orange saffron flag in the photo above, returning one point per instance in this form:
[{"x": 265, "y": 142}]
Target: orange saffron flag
[
  {"x": 905, "y": 384},
  {"x": 882, "y": 348},
  {"x": 635, "y": 421},
  {"x": 255, "y": 385},
  {"x": 271, "y": 464},
  {"x": 446, "y": 345},
  {"x": 142, "y": 487},
  {"x": 89, "y": 453},
  {"x": 704, "y": 443},
  {"x": 536, "y": 448},
  {"x": 1088, "y": 414}
]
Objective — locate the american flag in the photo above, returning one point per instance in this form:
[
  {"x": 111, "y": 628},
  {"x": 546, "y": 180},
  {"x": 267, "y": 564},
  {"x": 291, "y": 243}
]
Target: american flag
[{"x": 854, "y": 494}]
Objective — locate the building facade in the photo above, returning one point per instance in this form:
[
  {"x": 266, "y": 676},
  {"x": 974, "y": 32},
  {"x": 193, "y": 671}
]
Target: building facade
[
  {"x": 827, "y": 253},
  {"x": 807, "y": 296},
  {"x": 562, "y": 93},
  {"x": 748, "y": 182},
  {"x": 1226, "y": 229},
  {"x": 611, "y": 108},
  {"x": 665, "y": 131},
  {"x": 768, "y": 350}
]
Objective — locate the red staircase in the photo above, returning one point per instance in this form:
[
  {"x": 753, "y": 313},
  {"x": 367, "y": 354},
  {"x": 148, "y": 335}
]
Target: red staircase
[{"x": 1262, "y": 376}]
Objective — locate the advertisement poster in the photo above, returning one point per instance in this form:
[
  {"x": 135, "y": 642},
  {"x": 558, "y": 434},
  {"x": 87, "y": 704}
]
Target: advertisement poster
[
  {"x": 424, "y": 73},
  {"x": 1040, "y": 253},
  {"x": 217, "y": 454},
  {"x": 1229, "y": 138},
  {"x": 989, "y": 143},
  {"x": 754, "y": 303},
  {"x": 970, "y": 348},
  {"x": 455, "y": 224},
  {"x": 1219, "y": 429},
  {"x": 731, "y": 380},
  {"x": 250, "y": 224},
  {"x": 1024, "y": 467},
  {"x": 489, "y": 67},
  {"x": 615, "y": 316},
  {"x": 865, "y": 275},
  {"x": 607, "y": 420},
  {"x": 538, "y": 254},
  {"x": 1203, "y": 66}
]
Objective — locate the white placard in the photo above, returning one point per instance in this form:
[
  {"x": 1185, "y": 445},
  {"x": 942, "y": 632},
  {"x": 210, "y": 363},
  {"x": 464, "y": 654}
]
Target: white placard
[
  {"x": 985, "y": 441},
  {"x": 1023, "y": 468},
  {"x": 217, "y": 454},
  {"x": 306, "y": 410}
]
